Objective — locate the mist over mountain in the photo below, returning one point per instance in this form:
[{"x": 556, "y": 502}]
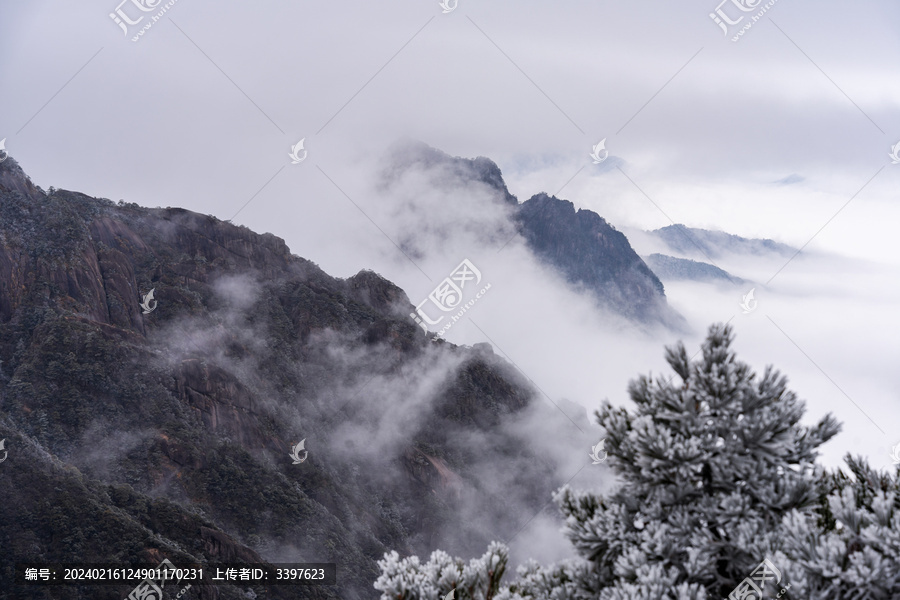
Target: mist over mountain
[
  {"x": 164, "y": 430},
  {"x": 407, "y": 154},
  {"x": 580, "y": 246},
  {"x": 160, "y": 366},
  {"x": 672, "y": 268}
]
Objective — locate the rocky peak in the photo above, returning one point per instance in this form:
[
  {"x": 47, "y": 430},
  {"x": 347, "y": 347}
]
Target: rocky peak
[
  {"x": 592, "y": 253},
  {"x": 580, "y": 244},
  {"x": 13, "y": 178},
  {"x": 373, "y": 290},
  {"x": 407, "y": 154}
]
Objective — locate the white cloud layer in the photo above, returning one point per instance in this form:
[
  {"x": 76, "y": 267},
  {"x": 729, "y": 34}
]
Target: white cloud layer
[{"x": 202, "y": 111}]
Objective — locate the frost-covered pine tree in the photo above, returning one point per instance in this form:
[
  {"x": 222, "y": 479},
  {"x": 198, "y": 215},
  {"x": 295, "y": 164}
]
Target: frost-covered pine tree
[
  {"x": 710, "y": 466},
  {"x": 852, "y": 550},
  {"x": 408, "y": 579}
]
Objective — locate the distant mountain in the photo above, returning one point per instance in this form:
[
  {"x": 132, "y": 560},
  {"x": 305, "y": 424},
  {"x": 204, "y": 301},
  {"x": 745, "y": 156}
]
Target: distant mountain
[
  {"x": 590, "y": 253},
  {"x": 586, "y": 250},
  {"x": 140, "y": 432},
  {"x": 672, "y": 268},
  {"x": 408, "y": 154},
  {"x": 704, "y": 244}
]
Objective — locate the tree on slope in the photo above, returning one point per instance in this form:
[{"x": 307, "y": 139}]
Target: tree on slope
[{"x": 709, "y": 467}]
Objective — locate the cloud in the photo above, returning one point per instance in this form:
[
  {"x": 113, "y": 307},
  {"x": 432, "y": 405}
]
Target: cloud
[
  {"x": 700, "y": 127},
  {"x": 791, "y": 179}
]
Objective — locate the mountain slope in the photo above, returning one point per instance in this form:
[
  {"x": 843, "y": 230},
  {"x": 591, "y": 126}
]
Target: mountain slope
[
  {"x": 591, "y": 253},
  {"x": 704, "y": 244},
  {"x": 580, "y": 245},
  {"x": 407, "y": 154},
  {"x": 133, "y": 436},
  {"x": 672, "y": 268}
]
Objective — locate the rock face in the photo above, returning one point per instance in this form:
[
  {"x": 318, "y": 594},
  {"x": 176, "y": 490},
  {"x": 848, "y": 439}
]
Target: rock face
[
  {"x": 220, "y": 401},
  {"x": 135, "y": 436},
  {"x": 590, "y": 253}
]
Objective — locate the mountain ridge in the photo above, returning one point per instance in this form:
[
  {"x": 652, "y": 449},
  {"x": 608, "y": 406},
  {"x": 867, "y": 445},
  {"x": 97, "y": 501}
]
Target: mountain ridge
[
  {"x": 591, "y": 253},
  {"x": 148, "y": 419},
  {"x": 588, "y": 252},
  {"x": 673, "y": 268},
  {"x": 710, "y": 244}
]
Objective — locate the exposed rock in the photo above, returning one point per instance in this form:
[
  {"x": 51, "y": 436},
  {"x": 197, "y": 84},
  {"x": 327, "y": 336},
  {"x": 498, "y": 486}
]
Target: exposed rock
[
  {"x": 224, "y": 405},
  {"x": 591, "y": 253},
  {"x": 581, "y": 245},
  {"x": 222, "y": 548},
  {"x": 373, "y": 290},
  {"x": 433, "y": 473},
  {"x": 177, "y": 423},
  {"x": 14, "y": 179}
]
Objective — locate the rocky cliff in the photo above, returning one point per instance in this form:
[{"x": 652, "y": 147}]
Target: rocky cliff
[
  {"x": 593, "y": 255},
  {"x": 135, "y": 434}
]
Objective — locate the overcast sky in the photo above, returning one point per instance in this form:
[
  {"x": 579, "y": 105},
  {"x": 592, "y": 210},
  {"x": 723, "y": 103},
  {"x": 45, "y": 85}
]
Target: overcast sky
[{"x": 784, "y": 134}]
